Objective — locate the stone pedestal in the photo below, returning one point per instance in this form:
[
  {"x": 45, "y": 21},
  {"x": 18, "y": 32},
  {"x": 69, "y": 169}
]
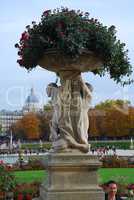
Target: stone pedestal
[{"x": 71, "y": 176}]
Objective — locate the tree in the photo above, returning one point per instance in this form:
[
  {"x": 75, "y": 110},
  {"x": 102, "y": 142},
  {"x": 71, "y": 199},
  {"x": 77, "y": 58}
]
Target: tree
[
  {"x": 131, "y": 121},
  {"x": 18, "y": 131},
  {"x": 112, "y": 118},
  {"x": 117, "y": 123},
  {"x": 97, "y": 123},
  {"x": 28, "y": 127},
  {"x": 93, "y": 130},
  {"x": 118, "y": 104},
  {"x": 48, "y": 107},
  {"x": 45, "y": 118}
]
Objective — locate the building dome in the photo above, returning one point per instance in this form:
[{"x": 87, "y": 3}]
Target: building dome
[
  {"x": 31, "y": 103},
  {"x": 32, "y": 97}
]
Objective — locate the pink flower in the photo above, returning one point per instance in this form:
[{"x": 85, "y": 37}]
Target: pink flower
[
  {"x": 1, "y": 162},
  {"x": 24, "y": 36}
]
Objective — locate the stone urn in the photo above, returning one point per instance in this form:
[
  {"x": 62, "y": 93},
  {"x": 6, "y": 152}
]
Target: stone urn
[{"x": 55, "y": 60}]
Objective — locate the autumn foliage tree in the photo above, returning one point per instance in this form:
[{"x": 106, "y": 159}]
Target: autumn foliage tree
[
  {"x": 97, "y": 123},
  {"x": 117, "y": 123},
  {"x": 45, "y": 118},
  {"x": 27, "y": 127},
  {"x": 112, "y": 118},
  {"x": 119, "y": 104},
  {"x": 131, "y": 120}
]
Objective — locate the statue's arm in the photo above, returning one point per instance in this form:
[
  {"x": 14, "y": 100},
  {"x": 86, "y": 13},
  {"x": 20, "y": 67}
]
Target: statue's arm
[{"x": 86, "y": 90}]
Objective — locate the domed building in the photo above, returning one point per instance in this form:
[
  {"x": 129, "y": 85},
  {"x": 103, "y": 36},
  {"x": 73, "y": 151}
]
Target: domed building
[
  {"x": 7, "y": 118},
  {"x": 31, "y": 103}
]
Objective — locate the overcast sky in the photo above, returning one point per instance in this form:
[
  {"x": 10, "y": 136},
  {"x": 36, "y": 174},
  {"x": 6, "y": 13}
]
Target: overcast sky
[{"x": 15, "y": 82}]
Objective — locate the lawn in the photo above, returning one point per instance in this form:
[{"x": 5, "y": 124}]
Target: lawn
[
  {"x": 30, "y": 176},
  {"x": 123, "y": 175}
]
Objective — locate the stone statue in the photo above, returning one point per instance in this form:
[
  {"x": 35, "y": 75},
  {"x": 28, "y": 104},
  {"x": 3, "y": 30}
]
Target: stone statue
[
  {"x": 52, "y": 92},
  {"x": 68, "y": 162},
  {"x": 86, "y": 104},
  {"x": 70, "y": 102}
]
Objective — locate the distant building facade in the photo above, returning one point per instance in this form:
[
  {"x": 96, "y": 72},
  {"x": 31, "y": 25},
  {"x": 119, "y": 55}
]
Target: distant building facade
[{"x": 7, "y": 118}]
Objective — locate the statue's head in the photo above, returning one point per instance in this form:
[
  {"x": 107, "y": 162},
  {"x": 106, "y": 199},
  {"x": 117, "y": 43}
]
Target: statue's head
[
  {"x": 50, "y": 88},
  {"x": 90, "y": 87}
]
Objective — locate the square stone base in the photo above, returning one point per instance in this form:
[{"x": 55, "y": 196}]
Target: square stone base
[
  {"x": 71, "y": 176},
  {"x": 95, "y": 194}
]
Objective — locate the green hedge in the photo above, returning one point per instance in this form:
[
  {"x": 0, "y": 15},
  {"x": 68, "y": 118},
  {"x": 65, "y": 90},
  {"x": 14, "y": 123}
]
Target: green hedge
[
  {"x": 117, "y": 144},
  {"x": 36, "y": 146}
]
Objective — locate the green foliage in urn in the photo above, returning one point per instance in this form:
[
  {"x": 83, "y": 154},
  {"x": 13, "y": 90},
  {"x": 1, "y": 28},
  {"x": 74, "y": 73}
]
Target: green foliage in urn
[{"x": 72, "y": 31}]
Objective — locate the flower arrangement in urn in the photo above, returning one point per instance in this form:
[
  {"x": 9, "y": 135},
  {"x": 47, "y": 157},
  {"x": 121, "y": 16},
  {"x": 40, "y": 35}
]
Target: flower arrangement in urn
[{"x": 73, "y": 32}]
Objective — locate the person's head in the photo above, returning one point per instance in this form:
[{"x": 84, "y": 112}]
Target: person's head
[
  {"x": 50, "y": 88},
  {"x": 112, "y": 187},
  {"x": 90, "y": 87}
]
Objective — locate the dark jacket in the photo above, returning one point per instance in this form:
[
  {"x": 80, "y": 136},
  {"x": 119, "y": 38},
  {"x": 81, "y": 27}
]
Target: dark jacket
[{"x": 117, "y": 197}]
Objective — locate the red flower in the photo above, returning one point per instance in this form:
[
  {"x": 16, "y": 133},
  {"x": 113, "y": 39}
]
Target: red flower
[
  {"x": 28, "y": 197},
  {"x": 131, "y": 187},
  {"x": 20, "y": 197},
  {"x": 24, "y": 36},
  {"x": 1, "y": 162}
]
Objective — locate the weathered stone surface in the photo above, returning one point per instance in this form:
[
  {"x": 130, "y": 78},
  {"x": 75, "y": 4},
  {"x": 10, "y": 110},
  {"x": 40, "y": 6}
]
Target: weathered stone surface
[
  {"x": 55, "y": 60},
  {"x": 71, "y": 176}
]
